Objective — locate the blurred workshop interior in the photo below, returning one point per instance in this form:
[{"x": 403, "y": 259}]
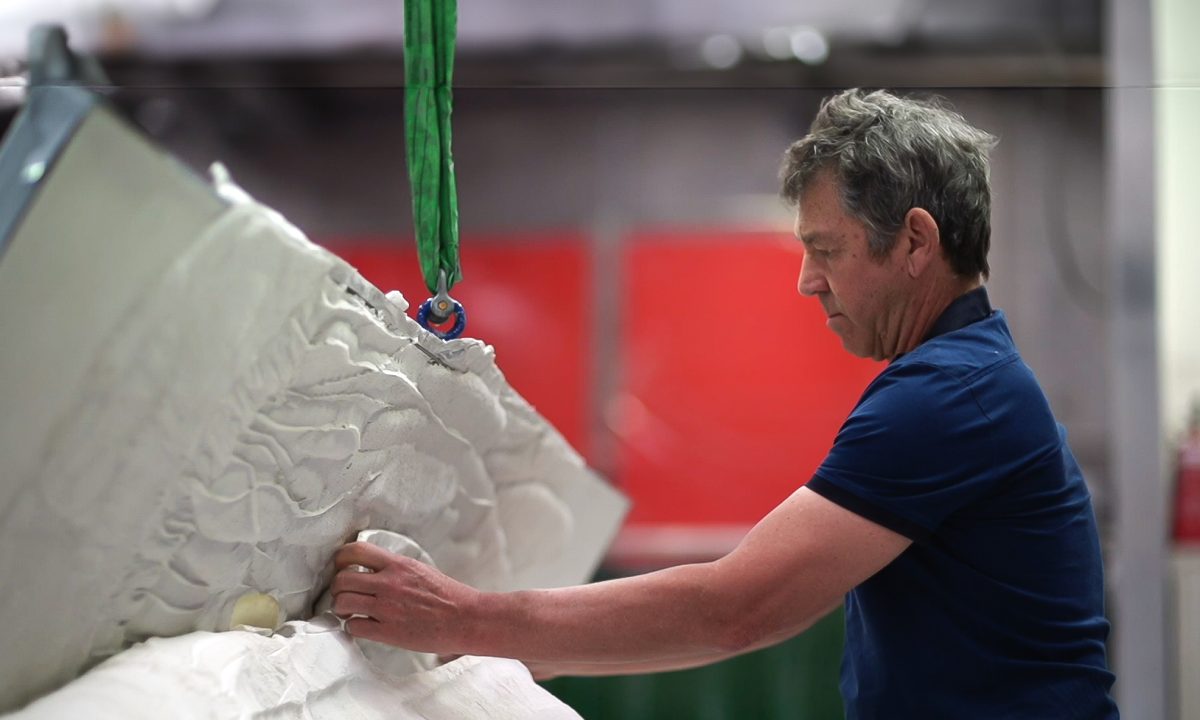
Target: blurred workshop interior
[{"x": 625, "y": 250}]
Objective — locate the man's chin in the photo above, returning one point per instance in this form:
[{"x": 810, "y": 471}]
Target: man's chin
[{"x": 857, "y": 350}]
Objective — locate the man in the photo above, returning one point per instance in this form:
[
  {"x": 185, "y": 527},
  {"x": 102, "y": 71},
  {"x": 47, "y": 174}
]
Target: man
[{"x": 950, "y": 515}]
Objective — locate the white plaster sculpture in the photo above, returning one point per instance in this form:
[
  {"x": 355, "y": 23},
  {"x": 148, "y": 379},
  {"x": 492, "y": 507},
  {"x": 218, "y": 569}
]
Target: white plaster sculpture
[
  {"x": 218, "y": 408},
  {"x": 305, "y": 671}
]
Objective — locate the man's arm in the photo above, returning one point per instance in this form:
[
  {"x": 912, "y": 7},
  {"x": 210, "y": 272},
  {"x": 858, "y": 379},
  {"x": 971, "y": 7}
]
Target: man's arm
[{"x": 791, "y": 569}]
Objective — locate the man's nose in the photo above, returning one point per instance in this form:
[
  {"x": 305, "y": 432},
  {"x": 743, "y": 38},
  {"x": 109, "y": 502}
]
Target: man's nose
[{"x": 811, "y": 281}]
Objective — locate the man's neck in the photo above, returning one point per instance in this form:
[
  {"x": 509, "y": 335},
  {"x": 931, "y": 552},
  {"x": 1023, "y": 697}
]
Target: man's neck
[{"x": 929, "y": 304}]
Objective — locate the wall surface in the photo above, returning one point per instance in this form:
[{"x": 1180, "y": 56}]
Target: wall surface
[{"x": 1177, "y": 102}]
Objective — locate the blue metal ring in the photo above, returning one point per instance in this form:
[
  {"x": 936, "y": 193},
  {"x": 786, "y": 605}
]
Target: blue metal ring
[{"x": 460, "y": 321}]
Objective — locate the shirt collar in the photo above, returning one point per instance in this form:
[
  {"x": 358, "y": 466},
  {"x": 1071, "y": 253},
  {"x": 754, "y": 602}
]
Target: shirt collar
[{"x": 966, "y": 309}]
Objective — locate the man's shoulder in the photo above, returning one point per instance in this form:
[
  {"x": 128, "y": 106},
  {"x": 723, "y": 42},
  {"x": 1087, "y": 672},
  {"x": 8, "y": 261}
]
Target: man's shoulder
[
  {"x": 975, "y": 369},
  {"x": 968, "y": 353},
  {"x": 972, "y": 375},
  {"x": 916, "y": 396}
]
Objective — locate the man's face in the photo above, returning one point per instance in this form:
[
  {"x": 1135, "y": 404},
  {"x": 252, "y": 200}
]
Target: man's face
[{"x": 863, "y": 296}]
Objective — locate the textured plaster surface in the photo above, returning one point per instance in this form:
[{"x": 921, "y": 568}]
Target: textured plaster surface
[
  {"x": 257, "y": 406},
  {"x": 305, "y": 671}
]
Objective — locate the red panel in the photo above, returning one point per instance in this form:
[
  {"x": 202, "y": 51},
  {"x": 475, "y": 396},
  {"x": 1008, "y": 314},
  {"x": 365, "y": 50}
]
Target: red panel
[
  {"x": 733, "y": 387},
  {"x": 528, "y": 298}
]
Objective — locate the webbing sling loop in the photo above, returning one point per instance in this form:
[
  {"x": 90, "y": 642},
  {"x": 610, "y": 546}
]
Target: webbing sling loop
[{"x": 430, "y": 27}]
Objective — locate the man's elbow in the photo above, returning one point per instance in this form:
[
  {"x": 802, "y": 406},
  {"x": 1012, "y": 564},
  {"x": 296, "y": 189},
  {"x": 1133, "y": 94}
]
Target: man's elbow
[
  {"x": 739, "y": 636},
  {"x": 751, "y": 628}
]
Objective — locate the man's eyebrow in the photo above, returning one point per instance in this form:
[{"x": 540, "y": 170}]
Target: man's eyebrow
[{"x": 811, "y": 237}]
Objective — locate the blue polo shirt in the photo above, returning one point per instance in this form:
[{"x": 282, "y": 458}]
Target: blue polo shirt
[{"x": 997, "y": 608}]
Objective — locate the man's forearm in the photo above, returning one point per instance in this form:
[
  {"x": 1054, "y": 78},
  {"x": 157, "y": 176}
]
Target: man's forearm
[
  {"x": 544, "y": 670},
  {"x": 675, "y": 615}
]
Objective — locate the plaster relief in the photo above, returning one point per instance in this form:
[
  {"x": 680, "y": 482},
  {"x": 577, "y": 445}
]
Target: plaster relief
[{"x": 258, "y": 405}]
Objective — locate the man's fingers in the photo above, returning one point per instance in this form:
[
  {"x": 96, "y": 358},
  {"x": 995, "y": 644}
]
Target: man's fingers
[
  {"x": 365, "y": 628},
  {"x": 355, "y": 582},
  {"x": 369, "y": 556},
  {"x": 349, "y": 603}
]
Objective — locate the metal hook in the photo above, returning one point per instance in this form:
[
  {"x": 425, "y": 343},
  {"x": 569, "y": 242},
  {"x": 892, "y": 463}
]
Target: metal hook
[
  {"x": 443, "y": 304},
  {"x": 439, "y": 309}
]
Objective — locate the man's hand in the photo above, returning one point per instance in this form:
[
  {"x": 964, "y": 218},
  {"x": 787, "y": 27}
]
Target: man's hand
[{"x": 404, "y": 601}]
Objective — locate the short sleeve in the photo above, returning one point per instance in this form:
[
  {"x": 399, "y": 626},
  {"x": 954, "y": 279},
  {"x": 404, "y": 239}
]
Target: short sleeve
[{"x": 916, "y": 449}]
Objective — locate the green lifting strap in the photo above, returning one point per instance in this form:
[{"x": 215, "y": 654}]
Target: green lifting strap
[{"x": 429, "y": 33}]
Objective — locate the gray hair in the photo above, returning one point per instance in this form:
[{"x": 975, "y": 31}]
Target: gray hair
[{"x": 891, "y": 154}]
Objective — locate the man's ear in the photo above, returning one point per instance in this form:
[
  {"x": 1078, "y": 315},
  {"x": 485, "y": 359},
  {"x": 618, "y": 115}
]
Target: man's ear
[{"x": 923, "y": 242}]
